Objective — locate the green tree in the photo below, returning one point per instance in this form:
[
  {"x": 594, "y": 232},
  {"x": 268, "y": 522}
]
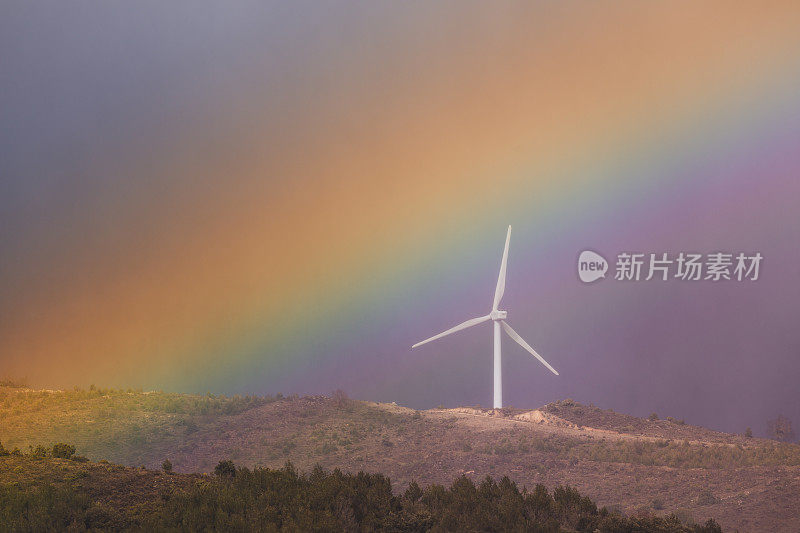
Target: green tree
[
  {"x": 413, "y": 492},
  {"x": 225, "y": 469}
]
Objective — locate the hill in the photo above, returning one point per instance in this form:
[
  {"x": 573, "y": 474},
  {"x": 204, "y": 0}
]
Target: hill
[
  {"x": 52, "y": 491},
  {"x": 624, "y": 462}
]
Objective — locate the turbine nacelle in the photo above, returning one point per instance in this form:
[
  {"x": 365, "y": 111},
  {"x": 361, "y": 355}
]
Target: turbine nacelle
[{"x": 498, "y": 315}]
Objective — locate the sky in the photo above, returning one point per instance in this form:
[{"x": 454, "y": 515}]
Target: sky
[{"x": 258, "y": 197}]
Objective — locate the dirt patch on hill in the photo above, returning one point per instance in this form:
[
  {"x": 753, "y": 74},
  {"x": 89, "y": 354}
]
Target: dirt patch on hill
[{"x": 669, "y": 428}]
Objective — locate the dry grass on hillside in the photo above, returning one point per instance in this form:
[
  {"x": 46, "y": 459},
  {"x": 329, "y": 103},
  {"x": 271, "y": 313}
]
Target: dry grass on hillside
[{"x": 636, "y": 464}]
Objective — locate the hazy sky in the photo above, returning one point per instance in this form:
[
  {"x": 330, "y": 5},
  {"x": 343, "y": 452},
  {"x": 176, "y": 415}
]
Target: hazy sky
[{"x": 255, "y": 197}]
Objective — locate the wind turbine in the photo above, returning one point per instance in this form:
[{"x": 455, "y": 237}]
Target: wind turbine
[{"x": 498, "y": 318}]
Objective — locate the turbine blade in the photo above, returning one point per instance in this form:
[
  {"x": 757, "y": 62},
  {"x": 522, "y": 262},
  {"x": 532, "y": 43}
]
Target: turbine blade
[
  {"x": 514, "y": 335},
  {"x": 464, "y": 325},
  {"x": 501, "y": 279}
]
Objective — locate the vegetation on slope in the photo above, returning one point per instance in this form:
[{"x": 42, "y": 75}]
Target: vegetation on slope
[
  {"x": 134, "y": 428},
  {"x": 38, "y": 494},
  {"x": 661, "y": 452},
  {"x": 636, "y": 464},
  {"x": 125, "y": 426}
]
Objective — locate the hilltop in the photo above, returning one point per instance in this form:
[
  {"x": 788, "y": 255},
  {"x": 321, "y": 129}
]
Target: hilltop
[{"x": 633, "y": 464}]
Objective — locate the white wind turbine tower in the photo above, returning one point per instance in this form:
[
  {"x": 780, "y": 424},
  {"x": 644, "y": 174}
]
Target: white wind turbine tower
[{"x": 498, "y": 317}]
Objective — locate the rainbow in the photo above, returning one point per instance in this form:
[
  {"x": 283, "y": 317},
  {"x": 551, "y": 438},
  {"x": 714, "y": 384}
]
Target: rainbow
[{"x": 274, "y": 216}]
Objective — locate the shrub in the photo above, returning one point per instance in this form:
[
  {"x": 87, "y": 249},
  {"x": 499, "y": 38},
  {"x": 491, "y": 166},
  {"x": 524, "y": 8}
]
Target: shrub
[
  {"x": 39, "y": 452},
  {"x": 653, "y": 416},
  {"x": 166, "y": 466},
  {"x": 685, "y": 516},
  {"x": 42, "y": 508},
  {"x": 506, "y": 448},
  {"x": 706, "y": 497},
  {"x": 340, "y": 399},
  {"x": 328, "y": 447},
  {"x": 658, "y": 504},
  {"x": 748, "y": 433},
  {"x": 3, "y": 451},
  {"x": 14, "y": 383},
  {"x": 63, "y": 451},
  {"x": 225, "y": 469},
  {"x": 781, "y": 429},
  {"x": 413, "y": 492},
  {"x": 711, "y": 526}
]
